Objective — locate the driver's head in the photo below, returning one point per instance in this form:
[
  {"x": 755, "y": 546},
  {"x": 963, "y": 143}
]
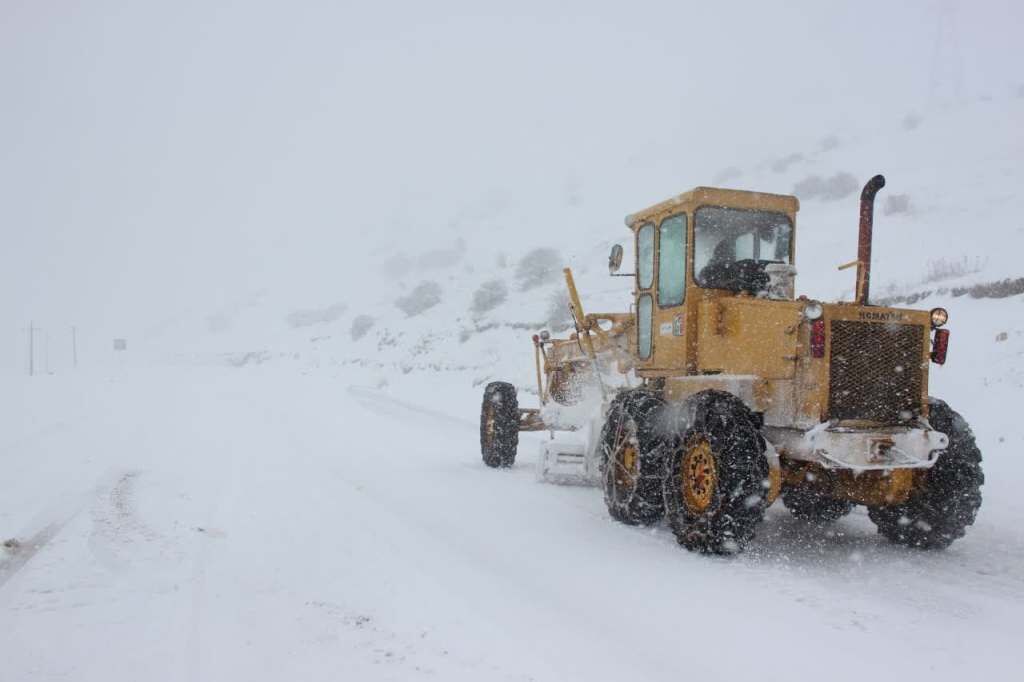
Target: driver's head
[{"x": 725, "y": 251}]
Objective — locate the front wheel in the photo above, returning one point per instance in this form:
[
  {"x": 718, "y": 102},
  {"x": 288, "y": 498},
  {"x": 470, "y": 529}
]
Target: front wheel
[
  {"x": 946, "y": 498},
  {"x": 633, "y": 457},
  {"x": 718, "y": 481},
  {"x": 499, "y": 424}
]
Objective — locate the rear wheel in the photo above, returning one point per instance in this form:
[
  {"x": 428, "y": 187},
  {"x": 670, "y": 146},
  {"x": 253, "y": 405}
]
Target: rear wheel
[
  {"x": 717, "y": 480},
  {"x": 946, "y": 498},
  {"x": 499, "y": 424},
  {"x": 633, "y": 458}
]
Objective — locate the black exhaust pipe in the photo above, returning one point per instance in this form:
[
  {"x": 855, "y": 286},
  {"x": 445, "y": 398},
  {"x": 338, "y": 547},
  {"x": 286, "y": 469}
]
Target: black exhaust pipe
[{"x": 867, "y": 219}]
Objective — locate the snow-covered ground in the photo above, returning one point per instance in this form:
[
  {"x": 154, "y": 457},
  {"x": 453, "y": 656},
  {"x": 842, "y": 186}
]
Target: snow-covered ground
[{"x": 260, "y": 524}]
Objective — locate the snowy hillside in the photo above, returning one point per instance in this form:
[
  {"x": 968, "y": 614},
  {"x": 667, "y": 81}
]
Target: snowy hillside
[{"x": 465, "y": 300}]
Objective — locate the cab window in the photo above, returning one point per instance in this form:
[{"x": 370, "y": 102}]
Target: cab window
[
  {"x": 645, "y": 256},
  {"x": 645, "y": 320},
  {"x": 672, "y": 261},
  {"x": 733, "y": 246}
]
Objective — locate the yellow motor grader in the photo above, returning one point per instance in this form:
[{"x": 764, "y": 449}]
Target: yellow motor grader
[{"x": 735, "y": 392}]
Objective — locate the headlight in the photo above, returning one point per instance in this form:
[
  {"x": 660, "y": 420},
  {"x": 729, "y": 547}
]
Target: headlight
[
  {"x": 813, "y": 311},
  {"x": 939, "y": 317}
]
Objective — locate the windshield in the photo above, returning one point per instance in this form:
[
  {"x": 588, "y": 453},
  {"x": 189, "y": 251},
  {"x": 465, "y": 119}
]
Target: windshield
[{"x": 731, "y": 246}]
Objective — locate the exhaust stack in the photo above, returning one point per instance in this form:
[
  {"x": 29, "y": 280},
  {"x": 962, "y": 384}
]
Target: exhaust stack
[{"x": 867, "y": 219}]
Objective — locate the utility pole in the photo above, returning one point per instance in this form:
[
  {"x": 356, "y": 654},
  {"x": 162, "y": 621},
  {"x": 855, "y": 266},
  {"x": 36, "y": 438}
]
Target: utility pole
[
  {"x": 46, "y": 351},
  {"x": 74, "y": 347},
  {"x": 31, "y": 350}
]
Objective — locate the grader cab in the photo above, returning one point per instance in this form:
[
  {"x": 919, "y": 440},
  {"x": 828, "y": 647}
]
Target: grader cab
[{"x": 737, "y": 392}]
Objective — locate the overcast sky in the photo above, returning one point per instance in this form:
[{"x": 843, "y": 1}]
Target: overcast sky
[{"x": 158, "y": 155}]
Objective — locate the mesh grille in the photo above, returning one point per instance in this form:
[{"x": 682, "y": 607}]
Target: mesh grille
[{"x": 875, "y": 370}]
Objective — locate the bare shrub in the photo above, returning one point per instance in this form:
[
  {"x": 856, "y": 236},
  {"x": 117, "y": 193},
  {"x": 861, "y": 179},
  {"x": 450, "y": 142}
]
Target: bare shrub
[
  {"x": 490, "y": 295},
  {"x": 538, "y": 267},
  {"x": 911, "y": 121},
  {"x": 828, "y": 143},
  {"x": 306, "y": 318},
  {"x": 896, "y": 203},
  {"x": 1004, "y": 288},
  {"x": 426, "y": 295},
  {"x": 360, "y": 326},
  {"x": 837, "y": 187},
  {"x": 940, "y": 268},
  {"x": 783, "y": 164},
  {"x": 443, "y": 257}
]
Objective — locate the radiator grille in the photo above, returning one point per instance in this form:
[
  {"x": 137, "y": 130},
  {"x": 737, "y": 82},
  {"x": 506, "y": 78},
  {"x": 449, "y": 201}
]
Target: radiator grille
[{"x": 875, "y": 370}]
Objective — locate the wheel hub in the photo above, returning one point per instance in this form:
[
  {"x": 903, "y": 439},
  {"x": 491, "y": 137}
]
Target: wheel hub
[
  {"x": 489, "y": 427},
  {"x": 699, "y": 476},
  {"x": 629, "y": 458},
  {"x": 627, "y": 461}
]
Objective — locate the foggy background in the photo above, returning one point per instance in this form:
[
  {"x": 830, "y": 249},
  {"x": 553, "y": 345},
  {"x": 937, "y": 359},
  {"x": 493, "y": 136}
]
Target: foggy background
[
  {"x": 160, "y": 160},
  {"x": 324, "y": 228}
]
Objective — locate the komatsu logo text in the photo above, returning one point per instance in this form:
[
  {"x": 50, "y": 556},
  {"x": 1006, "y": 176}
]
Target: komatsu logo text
[{"x": 882, "y": 317}]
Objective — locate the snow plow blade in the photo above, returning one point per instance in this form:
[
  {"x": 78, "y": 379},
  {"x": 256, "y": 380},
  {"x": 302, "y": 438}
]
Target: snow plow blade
[{"x": 565, "y": 462}]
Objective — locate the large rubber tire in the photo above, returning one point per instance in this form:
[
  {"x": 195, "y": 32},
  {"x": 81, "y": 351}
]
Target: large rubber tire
[
  {"x": 499, "y": 424},
  {"x": 633, "y": 457},
  {"x": 723, "y": 433},
  {"x": 946, "y": 498},
  {"x": 810, "y": 503}
]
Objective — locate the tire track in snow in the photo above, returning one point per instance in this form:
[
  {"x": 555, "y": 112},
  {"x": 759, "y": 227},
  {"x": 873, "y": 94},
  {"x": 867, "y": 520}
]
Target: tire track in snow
[
  {"x": 372, "y": 641},
  {"x": 116, "y": 525},
  {"x": 224, "y": 502},
  {"x": 379, "y": 403},
  {"x": 425, "y": 533},
  {"x": 22, "y": 551},
  {"x": 48, "y": 525}
]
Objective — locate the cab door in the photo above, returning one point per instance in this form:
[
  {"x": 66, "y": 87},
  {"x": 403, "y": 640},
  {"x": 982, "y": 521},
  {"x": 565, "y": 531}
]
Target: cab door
[
  {"x": 669, "y": 322},
  {"x": 645, "y": 261}
]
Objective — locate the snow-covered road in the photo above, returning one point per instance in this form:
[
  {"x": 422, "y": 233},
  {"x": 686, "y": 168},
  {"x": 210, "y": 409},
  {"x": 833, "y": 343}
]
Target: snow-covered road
[{"x": 217, "y": 524}]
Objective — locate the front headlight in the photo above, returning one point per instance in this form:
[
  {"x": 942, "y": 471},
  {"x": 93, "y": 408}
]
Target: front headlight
[
  {"x": 813, "y": 310},
  {"x": 939, "y": 317}
]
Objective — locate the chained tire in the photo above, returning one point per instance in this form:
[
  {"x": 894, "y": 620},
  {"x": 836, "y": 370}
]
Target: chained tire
[
  {"x": 633, "y": 458},
  {"x": 499, "y": 425},
  {"x": 717, "y": 480},
  {"x": 946, "y": 498},
  {"x": 809, "y": 503}
]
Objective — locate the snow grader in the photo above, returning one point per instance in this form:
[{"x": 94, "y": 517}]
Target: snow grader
[{"x": 735, "y": 392}]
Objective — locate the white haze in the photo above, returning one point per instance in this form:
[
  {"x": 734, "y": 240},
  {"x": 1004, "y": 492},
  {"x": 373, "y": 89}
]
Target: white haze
[
  {"x": 323, "y": 228},
  {"x": 164, "y": 159}
]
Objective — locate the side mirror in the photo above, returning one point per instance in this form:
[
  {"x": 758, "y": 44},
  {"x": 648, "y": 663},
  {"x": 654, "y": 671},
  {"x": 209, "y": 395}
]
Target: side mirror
[{"x": 615, "y": 259}]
